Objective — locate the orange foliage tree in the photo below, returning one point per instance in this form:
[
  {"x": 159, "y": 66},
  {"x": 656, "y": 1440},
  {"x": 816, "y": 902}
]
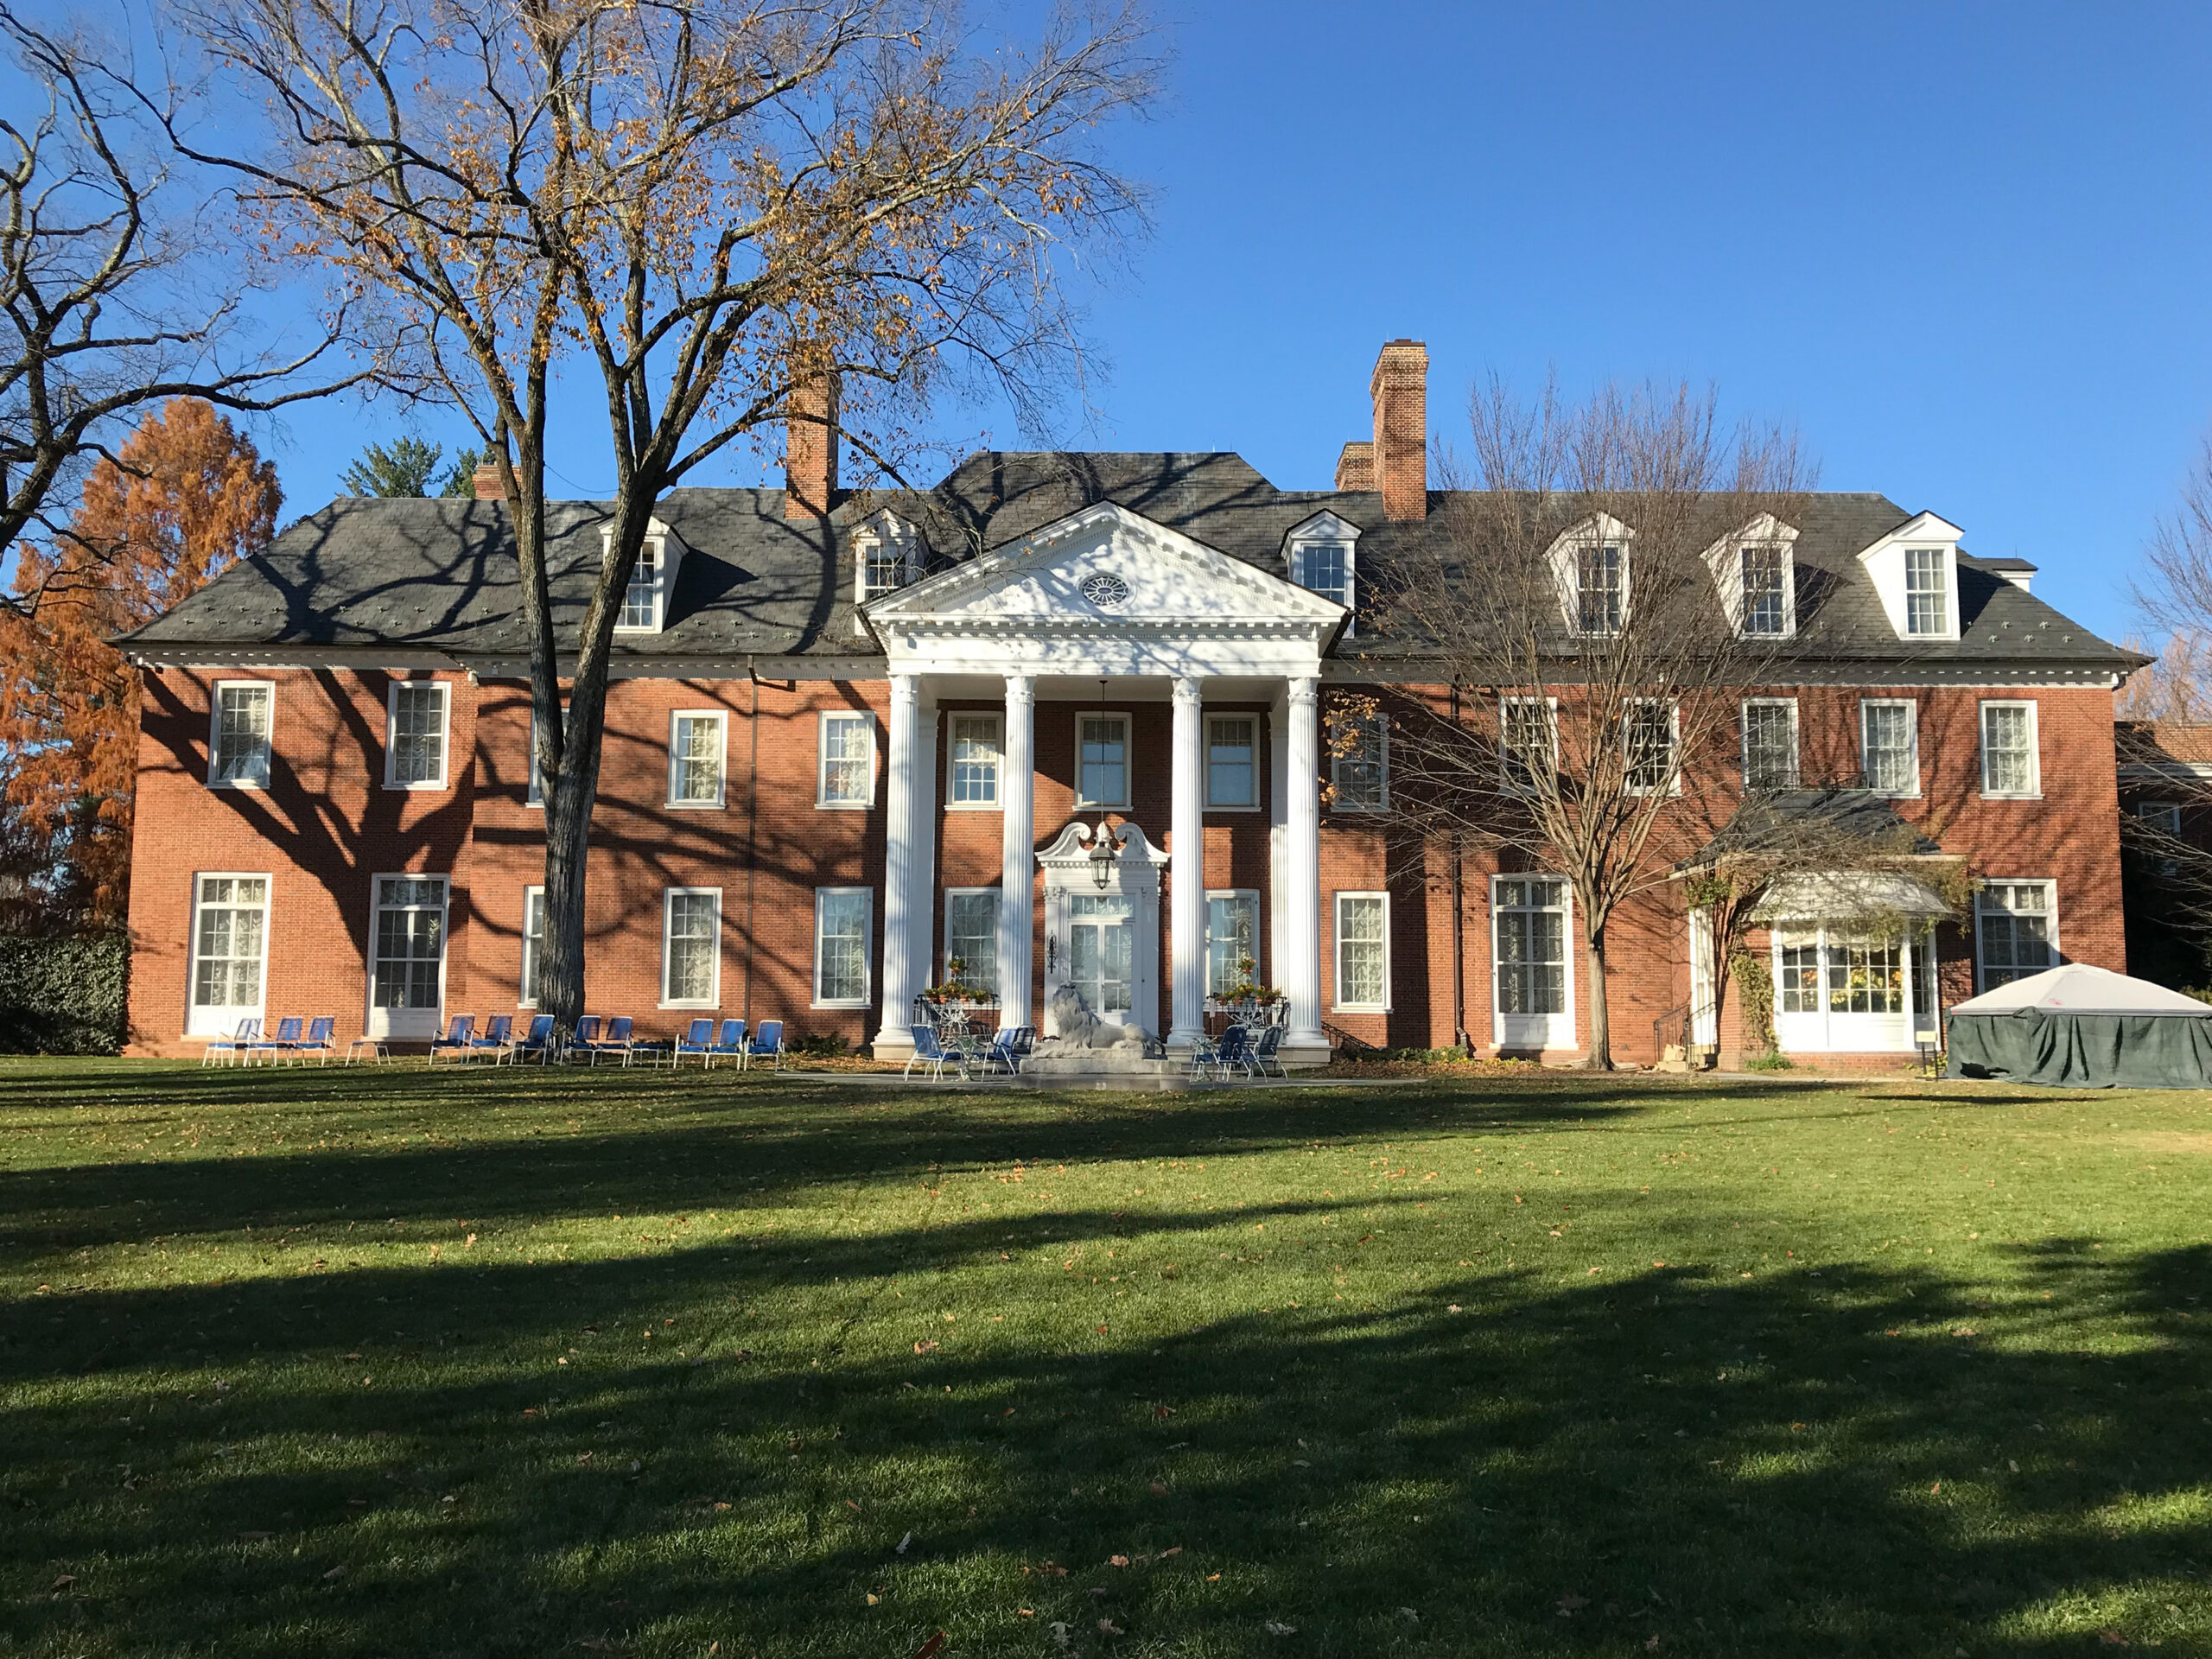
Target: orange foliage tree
[{"x": 184, "y": 498}]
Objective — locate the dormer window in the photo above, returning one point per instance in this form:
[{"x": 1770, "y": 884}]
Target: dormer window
[
  {"x": 652, "y": 578},
  {"x": 886, "y": 555},
  {"x": 1754, "y": 569},
  {"x": 1601, "y": 572},
  {"x": 1915, "y": 570},
  {"x": 1766, "y": 575},
  {"x": 1927, "y": 610},
  {"x": 1321, "y": 558}
]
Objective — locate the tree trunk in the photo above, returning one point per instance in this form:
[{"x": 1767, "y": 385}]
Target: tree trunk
[
  {"x": 1601, "y": 1034},
  {"x": 560, "y": 948}
]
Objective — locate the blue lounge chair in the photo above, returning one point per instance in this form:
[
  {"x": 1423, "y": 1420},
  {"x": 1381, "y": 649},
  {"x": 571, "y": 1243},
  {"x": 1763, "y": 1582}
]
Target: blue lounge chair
[
  {"x": 730, "y": 1045},
  {"x": 498, "y": 1037},
  {"x": 617, "y": 1040},
  {"x": 458, "y": 1035},
  {"x": 581, "y": 1040},
  {"x": 929, "y": 1051},
  {"x": 1266, "y": 1052},
  {"x": 1007, "y": 1050},
  {"x": 538, "y": 1040},
  {"x": 275, "y": 1048},
  {"x": 698, "y": 1039},
  {"x": 768, "y": 1043},
  {"x": 233, "y": 1048},
  {"x": 1223, "y": 1054},
  {"x": 322, "y": 1038}
]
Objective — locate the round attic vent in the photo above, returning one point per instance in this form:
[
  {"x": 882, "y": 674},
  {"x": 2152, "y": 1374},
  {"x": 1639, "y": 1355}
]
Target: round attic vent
[{"x": 1105, "y": 589}]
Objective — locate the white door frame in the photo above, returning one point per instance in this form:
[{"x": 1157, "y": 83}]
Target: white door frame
[
  {"x": 1534, "y": 1031},
  {"x": 407, "y": 1025},
  {"x": 1135, "y": 876}
]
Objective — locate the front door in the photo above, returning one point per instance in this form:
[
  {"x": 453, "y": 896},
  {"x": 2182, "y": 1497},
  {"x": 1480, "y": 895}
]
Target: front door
[
  {"x": 1534, "y": 991},
  {"x": 407, "y": 957},
  {"x": 1102, "y": 953}
]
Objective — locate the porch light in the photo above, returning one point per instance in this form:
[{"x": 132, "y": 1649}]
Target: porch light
[{"x": 1101, "y": 857}]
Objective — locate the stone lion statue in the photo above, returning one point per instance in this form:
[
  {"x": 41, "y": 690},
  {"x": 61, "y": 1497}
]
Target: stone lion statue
[{"x": 1079, "y": 1028}]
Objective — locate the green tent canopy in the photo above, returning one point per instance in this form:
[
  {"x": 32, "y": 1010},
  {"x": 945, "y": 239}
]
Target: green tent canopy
[{"x": 2076, "y": 1026}]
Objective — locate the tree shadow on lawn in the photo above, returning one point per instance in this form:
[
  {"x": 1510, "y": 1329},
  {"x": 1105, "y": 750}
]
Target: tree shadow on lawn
[{"x": 1802, "y": 1463}]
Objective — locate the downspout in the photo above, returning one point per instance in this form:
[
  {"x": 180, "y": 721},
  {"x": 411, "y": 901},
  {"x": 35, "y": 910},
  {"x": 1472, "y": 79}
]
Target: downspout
[
  {"x": 752, "y": 829},
  {"x": 1459, "y": 924}
]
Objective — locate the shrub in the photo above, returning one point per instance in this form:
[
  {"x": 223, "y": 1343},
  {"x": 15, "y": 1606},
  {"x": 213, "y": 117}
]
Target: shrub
[
  {"x": 67, "y": 994},
  {"x": 824, "y": 1046}
]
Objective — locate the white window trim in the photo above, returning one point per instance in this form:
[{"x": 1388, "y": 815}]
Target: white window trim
[
  {"x": 533, "y": 796},
  {"x": 2160, "y": 815},
  {"x": 1725, "y": 558},
  {"x": 1337, "y": 762},
  {"x": 2050, "y": 885},
  {"x": 392, "y": 733},
  {"x": 667, "y": 554},
  {"x": 822, "y": 717},
  {"x": 2034, "y": 791},
  {"x": 1674, "y": 786},
  {"x": 952, "y": 718},
  {"x": 668, "y": 898},
  {"x": 1865, "y": 703},
  {"x": 1570, "y": 966},
  {"x": 1083, "y": 802},
  {"x": 215, "y": 734},
  {"x": 1259, "y": 739},
  {"x": 1743, "y": 738},
  {"x": 376, "y": 1021},
  {"x": 1326, "y": 529},
  {"x": 944, "y": 956},
  {"x": 1258, "y": 956},
  {"x": 1884, "y": 563},
  {"x": 523, "y": 998},
  {"x": 231, "y": 1015},
  {"x": 1551, "y": 726},
  {"x": 1337, "y": 950},
  {"x": 884, "y": 527},
  {"x": 720, "y": 717},
  {"x": 898, "y": 1016},
  {"x": 1599, "y": 529}
]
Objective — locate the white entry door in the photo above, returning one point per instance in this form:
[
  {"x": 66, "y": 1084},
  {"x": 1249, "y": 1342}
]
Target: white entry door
[
  {"x": 407, "y": 957},
  {"x": 1704, "y": 1012},
  {"x": 1533, "y": 990},
  {"x": 1102, "y": 953}
]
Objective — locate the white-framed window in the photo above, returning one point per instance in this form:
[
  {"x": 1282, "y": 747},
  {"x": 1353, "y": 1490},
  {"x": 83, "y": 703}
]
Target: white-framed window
[
  {"x": 1363, "y": 952},
  {"x": 971, "y": 936},
  {"x": 533, "y": 792},
  {"x": 407, "y": 956},
  {"x": 1102, "y": 760},
  {"x": 1232, "y": 762},
  {"x": 1650, "y": 765},
  {"x": 2016, "y": 929},
  {"x": 691, "y": 948},
  {"x": 975, "y": 750},
  {"x": 1528, "y": 737},
  {"x": 695, "y": 743},
  {"x": 1232, "y": 940},
  {"x": 886, "y": 555},
  {"x": 240, "y": 719},
  {"x": 1889, "y": 744},
  {"x": 843, "y": 923},
  {"x": 845, "y": 778},
  {"x": 1530, "y": 913},
  {"x": 1359, "y": 767},
  {"x": 533, "y": 946},
  {"x": 1600, "y": 587},
  {"x": 1766, "y": 601},
  {"x": 641, "y": 598},
  {"x": 1927, "y": 591},
  {"x": 415, "y": 735},
  {"x": 2012, "y": 766},
  {"x": 1325, "y": 568},
  {"x": 230, "y": 952},
  {"x": 1769, "y": 743},
  {"x": 2164, "y": 815}
]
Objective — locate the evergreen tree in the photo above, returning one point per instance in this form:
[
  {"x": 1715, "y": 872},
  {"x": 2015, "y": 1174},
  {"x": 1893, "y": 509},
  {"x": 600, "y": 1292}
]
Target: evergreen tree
[
  {"x": 403, "y": 467},
  {"x": 460, "y": 480}
]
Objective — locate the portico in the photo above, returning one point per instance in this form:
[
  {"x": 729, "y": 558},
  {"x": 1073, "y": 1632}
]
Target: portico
[{"x": 1096, "y": 615}]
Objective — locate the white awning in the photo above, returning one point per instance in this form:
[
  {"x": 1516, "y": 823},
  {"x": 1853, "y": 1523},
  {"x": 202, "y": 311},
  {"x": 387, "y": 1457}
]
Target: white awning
[
  {"x": 2077, "y": 987},
  {"x": 1844, "y": 895}
]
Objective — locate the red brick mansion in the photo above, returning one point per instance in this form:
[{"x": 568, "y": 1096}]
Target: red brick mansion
[{"x": 845, "y": 749}]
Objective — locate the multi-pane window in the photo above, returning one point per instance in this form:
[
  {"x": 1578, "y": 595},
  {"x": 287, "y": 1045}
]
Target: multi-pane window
[
  {"x": 2162, "y": 815},
  {"x": 1766, "y": 592},
  {"x": 1528, "y": 740},
  {"x": 2016, "y": 931},
  {"x": 1866, "y": 976},
  {"x": 238, "y": 755},
  {"x": 408, "y": 966},
  {"x": 1362, "y": 951},
  {"x": 1360, "y": 768},
  {"x": 1599, "y": 567},
  {"x": 695, "y": 759},
  {"x": 885, "y": 564},
  {"x": 975, "y": 755},
  {"x": 1648, "y": 737},
  {"x": 1232, "y": 941},
  {"x": 1232, "y": 768},
  {"x": 842, "y": 919},
  {"x": 641, "y": 598},
  {"x": 1530, "y": 912},
  {"x": 229, "y": 931},
  {"x": 1325, "y": 568},
  {"x": 971, "y": 938},
  {"x": 691, "y": 946},
  {"x": 1770, "y": 743},
  {"x": 1927, "y": 591},
  {"x": 1101, "y": 760},
  {"x": 415, "y": 742},
  {"x": 847, "y": 776},
  {"x": 533, "y": 943},
  {"x": 1799, "y": 986},
  {"x": 2008, "y": 749},
  {"x": 1889, "y": 745}
]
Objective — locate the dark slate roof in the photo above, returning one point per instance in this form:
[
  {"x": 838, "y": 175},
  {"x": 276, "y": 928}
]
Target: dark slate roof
[
  {"x": 438, "y": 575},
  {"x": 1791, "y": 818}
]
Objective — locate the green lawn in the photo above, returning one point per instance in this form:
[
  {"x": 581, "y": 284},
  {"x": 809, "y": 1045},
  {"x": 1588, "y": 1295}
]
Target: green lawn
[{"x": 390, "y": 1363}]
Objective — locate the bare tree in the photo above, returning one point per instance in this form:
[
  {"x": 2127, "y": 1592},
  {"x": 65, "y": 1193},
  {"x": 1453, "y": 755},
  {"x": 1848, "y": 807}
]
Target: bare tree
[
  {"x": 114, "y": 303},
  {"x": 741, "y": 213}
]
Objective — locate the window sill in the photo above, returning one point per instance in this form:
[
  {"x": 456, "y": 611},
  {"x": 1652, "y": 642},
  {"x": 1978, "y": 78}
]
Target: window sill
[
  {"x": 2011, "y": 795},
  {"x": 1225, "y": 806},
  {"x": 237, "y": 783},
  {"x": 709, "y": 1007},
  {"x": 844, "y": 806},
  {"x": 693, "y": 806},
  {"x": 859, "y": 1006},
  {"x": 1895, "y": 794},
  {"x": 1101, "y": 806},
  {"x": 973, "y": 806},
  {"x": 419, "y": 789},
  {"x": 1360, "y": 1008}
]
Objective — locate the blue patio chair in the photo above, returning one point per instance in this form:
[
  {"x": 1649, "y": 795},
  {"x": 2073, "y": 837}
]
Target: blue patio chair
[
  {"x": 582, "y": 1038},
  {"x": 233, "y": 1048},
  {"x": 536, "y": 1040},
  {"x": 698, "y": 1039},
  {"x": 616, "y": 1041},
  {"x": 768, "y": 1043},
  {"x": 286, "y": 1039},
  {"x": 929, "y": 1051},
  {"x": 730, "y": 1045},
  {"x": 1220, "y": 1054},
  {"x": 322, "y": 1038},
  {"x": 1007, "y": 1050},
  {"x": 458, "y": 1035},
  {"x": 498, "y": 1037},
  {"x": 1267, "y": 1052}
]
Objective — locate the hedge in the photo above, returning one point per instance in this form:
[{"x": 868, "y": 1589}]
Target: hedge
[{"x": 66, "y": 996}]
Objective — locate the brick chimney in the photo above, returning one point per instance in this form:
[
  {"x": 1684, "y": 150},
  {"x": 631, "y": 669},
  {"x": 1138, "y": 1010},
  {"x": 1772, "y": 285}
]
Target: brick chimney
[
  {"x": 1355, "y": 466},
  {"x": 810, "y": 449},
  {"x": 488, "y": 487},
  {"x": 1400, "y": 456}
]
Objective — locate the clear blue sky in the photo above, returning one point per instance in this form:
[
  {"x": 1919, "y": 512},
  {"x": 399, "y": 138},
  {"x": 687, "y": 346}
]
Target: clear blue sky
[{"x": 1966, "y": 250}]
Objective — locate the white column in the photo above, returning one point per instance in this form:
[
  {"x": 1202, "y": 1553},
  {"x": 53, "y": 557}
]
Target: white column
[
  {"x": 1186, "y": 869},
  {"x": 921, "y": 928},
  {"x": 1018, "y": 865},
  {"x": 901, "y": 862},
  {"x": 1301, "y": 910}
]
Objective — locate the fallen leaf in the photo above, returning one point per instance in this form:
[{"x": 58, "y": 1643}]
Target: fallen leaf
[
  {"x": 931, "y": 1648},
  {"x": 63, "y": 1582},
  {"x": 926, "y": 1347},
  {"x": 1570, "y": 1603},
  {"x": 334, "y": 1573},
  {"x": 2111, "y": 1637},
  {"x": 1106, "y": 1626},
  {"x": 1275, "y": 1629},
  {"x": 1118, "y": 1561},
  {"x": 872, "y": 1598},
  {"x": 1164, "y": 1554},
  {"x": 1054, "y": 1570},
  {"x": 1159, "y": 1489},
  {"x": 1651, "y": 1646}
]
